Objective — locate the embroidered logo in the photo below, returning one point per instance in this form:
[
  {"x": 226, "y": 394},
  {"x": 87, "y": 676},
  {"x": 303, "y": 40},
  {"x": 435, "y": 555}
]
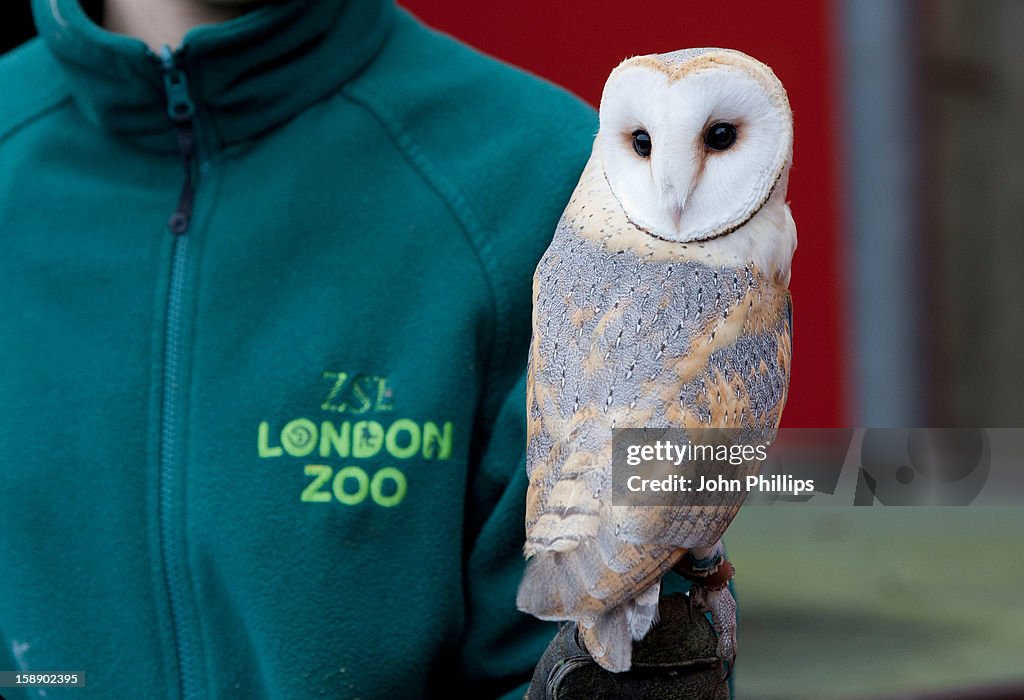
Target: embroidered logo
[{"x": 352, "y": 441}]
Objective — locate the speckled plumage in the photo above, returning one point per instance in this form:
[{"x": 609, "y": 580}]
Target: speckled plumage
[{"x": 631, "y": 330}]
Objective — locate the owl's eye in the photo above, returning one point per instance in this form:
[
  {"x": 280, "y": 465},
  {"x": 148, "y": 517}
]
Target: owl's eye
[
  {"x": 720, "y": 136},
  {"x": 642, "y": 143}
]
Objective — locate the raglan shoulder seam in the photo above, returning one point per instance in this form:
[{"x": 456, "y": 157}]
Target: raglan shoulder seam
[
  {"x": 454, "y": 199},
  {"x": 52, "y": 100}
]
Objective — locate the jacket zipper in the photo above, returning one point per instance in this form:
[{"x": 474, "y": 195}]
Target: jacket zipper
[{"x": 181, "y": 110}]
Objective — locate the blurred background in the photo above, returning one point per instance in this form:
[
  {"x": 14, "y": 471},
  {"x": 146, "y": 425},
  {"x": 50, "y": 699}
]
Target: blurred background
[{"x": 908, "y": 286}]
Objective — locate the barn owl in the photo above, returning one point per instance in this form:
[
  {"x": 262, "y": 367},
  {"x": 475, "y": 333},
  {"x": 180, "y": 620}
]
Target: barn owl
[{"x": 661, "y": 302}]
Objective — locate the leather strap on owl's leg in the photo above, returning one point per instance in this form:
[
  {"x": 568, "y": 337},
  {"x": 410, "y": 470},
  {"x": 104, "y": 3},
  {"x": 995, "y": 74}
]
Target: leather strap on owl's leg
[
  {"x": 715, "y": 580},
  {"x": 706, "y": 566}
]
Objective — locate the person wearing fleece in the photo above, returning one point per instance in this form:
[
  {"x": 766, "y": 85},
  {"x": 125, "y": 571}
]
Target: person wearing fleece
[{"x": 265, "y": 302}]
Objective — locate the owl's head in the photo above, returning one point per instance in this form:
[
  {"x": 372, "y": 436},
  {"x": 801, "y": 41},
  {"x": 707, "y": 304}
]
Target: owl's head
[{"x": 694, "y": 142}]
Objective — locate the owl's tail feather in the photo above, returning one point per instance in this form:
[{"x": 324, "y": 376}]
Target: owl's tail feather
[
  {"x": 642, "y": 612},
  {"x": 608, "y": 640},
  {"x": 589, "y": 580},
  {"x": 547, "y": 588},
  {"x": 566, "y": 585},
  {"x": 612, "y": 609}
]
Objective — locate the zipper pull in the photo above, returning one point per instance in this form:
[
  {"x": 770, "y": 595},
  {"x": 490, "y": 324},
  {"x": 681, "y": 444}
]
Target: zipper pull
[
  {"x": 181, "y": 110},
  {"x": 180, "y": 107}
]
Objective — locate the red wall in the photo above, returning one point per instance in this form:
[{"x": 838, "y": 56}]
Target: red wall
[{"x": 577, "y": 44}]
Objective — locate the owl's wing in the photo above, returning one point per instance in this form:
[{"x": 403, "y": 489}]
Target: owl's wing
[{"x": 629, "y": 340}]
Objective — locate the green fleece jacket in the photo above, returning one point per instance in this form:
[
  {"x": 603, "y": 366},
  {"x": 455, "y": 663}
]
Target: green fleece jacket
[{"x": 264, "y": 312}]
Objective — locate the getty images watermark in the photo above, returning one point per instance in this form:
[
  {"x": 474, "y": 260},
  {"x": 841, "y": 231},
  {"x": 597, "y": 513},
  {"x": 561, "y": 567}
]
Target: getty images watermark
[{"x": 874, "y": 466}]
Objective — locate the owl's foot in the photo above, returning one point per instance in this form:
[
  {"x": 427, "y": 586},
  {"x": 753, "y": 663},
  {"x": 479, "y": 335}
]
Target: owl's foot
[
  {"x": 722, "y": 607},
  {"x": 710, "y": 593}
]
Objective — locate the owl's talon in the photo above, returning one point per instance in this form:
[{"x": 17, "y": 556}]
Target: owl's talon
[
  {"x": 723, "y": 617},
  {"x": 730, "y": 666}
]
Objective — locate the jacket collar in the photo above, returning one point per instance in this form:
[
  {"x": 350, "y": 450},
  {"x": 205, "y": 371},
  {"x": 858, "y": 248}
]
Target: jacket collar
[{"x": 244, "y": 76}]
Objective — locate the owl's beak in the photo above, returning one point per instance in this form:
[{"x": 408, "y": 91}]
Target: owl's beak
[
  {"x": 677, "y": 215},
  {"x": 678, "y": 174},
  {"x": 677, "y": 192}
]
